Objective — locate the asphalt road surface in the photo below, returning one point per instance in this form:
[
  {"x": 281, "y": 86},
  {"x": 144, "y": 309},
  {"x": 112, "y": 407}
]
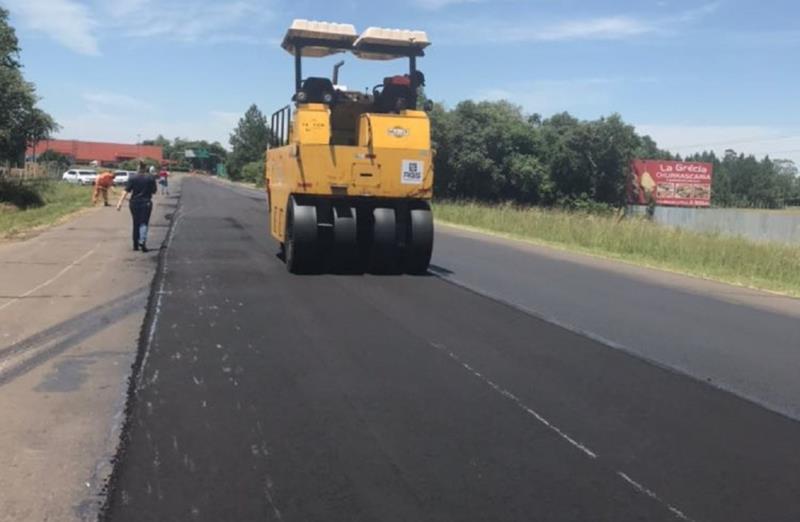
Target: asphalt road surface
[
  {"x": 267, "y": 396},
  {"x": 741, "y": 340}
]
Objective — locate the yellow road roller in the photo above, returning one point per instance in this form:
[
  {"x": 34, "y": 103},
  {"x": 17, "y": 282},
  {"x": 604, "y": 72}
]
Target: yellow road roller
[{"x": 350, "y": 173}]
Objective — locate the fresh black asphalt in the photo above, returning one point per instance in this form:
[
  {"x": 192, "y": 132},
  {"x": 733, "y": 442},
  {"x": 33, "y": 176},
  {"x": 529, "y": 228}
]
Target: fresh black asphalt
[{"x": 268, "y": 396}]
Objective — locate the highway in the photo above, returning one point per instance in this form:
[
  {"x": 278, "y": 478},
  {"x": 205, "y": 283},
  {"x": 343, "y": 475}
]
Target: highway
[{"x": 267, "y": 396}]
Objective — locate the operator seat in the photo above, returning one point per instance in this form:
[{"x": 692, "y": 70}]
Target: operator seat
[
  {"x": 316, "y": 90},
  {"x": 396, "y": 95}
]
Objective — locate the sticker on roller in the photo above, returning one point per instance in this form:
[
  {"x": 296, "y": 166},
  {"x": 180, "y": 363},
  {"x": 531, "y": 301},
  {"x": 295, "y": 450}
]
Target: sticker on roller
[{"x": 412, "y": 172}]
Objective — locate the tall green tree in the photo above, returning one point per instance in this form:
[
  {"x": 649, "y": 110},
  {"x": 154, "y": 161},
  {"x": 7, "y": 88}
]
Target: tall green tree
[
  {"x": 493, "y": 151},
  {"x": 248, "y": 141},
  {"x": 21, "y": 122}
]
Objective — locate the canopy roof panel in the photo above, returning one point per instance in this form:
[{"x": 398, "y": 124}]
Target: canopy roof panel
[
  {"x": 378, "y": 43},
  {"x": 318, "y": 39}
]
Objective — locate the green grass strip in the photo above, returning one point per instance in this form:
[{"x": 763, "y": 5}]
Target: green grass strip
[
  {"x": 60, "y": 199},
  {"x": 769, "y": 266}
]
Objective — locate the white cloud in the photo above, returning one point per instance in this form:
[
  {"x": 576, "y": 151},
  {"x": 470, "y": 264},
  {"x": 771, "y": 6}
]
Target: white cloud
[
  {"x": 192, "y": 22},
  {"x": 118, "y": 8},
  {"x": 618, "y": 27},
  {"x": 101, "y": 126},
  {"x": 610, "y": 28},
  {"x": 66, "y": 21},
  {"x": 227, "y": 118},
  {"x": 433, "y": 5},
  {"x": 549, "y": 96},
  {"x": 113, "y": 116},
  {"x": 102, "y": 101},
  {"x": 777, "y": 142},
  {"x": 78, "y": 25},
  {"x": 697, "y": 13}
]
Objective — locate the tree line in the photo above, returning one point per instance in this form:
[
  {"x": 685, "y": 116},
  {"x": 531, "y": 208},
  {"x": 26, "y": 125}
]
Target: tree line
[
  {"x": 744, "y": 181},
  {"x": 184, "y": 154},
  {"x": 493, "y": 151}
]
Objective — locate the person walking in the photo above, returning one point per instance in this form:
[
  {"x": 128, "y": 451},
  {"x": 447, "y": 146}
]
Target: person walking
[
  {"x": 102, "y": 184},
  {"x": 140, "y": 187},
  {"x": 164, "y": 181}
]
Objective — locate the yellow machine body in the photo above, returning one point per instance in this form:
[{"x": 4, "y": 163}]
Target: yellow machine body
[
  {"x": 349, "y": 173},
  {"x": 391, "y": 158}
]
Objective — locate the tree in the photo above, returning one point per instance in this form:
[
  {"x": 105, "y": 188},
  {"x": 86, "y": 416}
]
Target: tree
[
  {"x": 21, "y": 122},
  {"x": 744, "y": 181},
  {"x": 493, "y": 151},
  {"x": 9, "y": 45},
  {"x": 248, "y": 141},
  {"x": 51, "y": 156},
  {"x": 161, "y": 141},
  {"x": 39, "y": 126},
  {"x": 206, "y": 155},
  {"x": 488, "y": 151}
]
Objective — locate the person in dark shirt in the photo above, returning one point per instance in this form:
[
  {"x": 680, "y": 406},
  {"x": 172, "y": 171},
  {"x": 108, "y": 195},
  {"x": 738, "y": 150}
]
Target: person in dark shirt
[{"x": 140, "y": 187}]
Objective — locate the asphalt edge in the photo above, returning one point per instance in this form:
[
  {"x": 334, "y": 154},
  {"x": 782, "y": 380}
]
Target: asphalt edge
[{"x": 143, "y": 345}]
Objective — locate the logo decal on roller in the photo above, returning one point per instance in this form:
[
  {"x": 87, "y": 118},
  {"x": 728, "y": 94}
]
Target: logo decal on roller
[
  {"x": 398, "y": 132},
  {"x": 412, "y": 172}
]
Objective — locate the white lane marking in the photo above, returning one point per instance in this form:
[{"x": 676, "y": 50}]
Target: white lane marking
[
  {"x": 270, "y": 500},
  {"x": 159, "y": 297},
  {"x": 561, "y": 433},
  {"x": 516, "y": 400},
  {"x": 652, "y": 494},
  {"x": 52, "y": 279}
]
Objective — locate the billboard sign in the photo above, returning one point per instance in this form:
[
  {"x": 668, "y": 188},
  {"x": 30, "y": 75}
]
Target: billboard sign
[{"x": 673, "y": 183}]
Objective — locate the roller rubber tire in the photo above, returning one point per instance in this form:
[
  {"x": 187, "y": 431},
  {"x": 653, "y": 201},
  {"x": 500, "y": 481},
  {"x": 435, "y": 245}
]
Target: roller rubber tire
[
  {"x": 301, "y": 237},
  {"x": 420, "y": 244},
  {"x": 383, "y": 257}
]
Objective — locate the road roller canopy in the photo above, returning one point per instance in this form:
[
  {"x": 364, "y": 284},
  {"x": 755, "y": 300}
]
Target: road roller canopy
[
  {"x": 306, "y": 38},
  {"x": 318, "y": 39}
]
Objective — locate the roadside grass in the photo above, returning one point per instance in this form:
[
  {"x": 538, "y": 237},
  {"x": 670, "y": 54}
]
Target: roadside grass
[
  {"x": 55, "y": 200},
  {"x": 768, "y": 266}
]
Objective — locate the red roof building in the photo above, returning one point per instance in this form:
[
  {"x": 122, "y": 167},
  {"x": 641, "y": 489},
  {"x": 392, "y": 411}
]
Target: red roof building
[{"x": 104, "y": 153}]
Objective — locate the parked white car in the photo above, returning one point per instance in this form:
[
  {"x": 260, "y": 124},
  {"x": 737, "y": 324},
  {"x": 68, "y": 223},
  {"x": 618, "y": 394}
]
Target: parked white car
[
  {"x": 121, "y": 177},
  {"x": 80, "y": 176}
]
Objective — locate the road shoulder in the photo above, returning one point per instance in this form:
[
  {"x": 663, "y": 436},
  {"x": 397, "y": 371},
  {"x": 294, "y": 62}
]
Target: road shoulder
[{"x": 73, "y": 301}]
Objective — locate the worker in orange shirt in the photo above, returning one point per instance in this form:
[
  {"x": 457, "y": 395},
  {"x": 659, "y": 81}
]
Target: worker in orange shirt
[{"x": 102, "y": 184}]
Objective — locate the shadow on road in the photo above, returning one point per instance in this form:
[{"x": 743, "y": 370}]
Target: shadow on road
[{"x": 27, "y": 354}]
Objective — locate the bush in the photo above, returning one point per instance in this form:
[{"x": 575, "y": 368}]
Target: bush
[
  {"x": 21, "y": 195},
  {"x": 253, "y": 172}
]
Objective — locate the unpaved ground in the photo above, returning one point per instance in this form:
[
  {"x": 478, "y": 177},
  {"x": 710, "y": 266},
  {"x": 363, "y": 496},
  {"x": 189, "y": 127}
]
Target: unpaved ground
[{"x": 72, "y": 301}]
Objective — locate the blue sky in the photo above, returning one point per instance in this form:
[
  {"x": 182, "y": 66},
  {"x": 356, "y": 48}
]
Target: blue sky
[{"x": 693, "y": 74}]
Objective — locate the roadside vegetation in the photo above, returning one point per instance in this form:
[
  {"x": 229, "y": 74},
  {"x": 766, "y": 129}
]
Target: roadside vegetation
[
  {"x": 25, "y": 206},
  {"x": 767, "y": 266},
  {"x": 492, "y": 151}
]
